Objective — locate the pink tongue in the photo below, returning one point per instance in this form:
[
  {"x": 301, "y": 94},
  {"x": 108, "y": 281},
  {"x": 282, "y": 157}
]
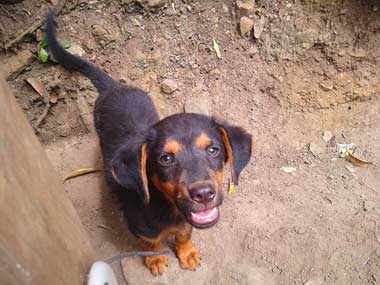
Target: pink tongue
[{"x": 206, "y": 216}]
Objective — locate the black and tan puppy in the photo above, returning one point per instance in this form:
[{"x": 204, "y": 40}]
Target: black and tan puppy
[{"x": 167, "y": 173}]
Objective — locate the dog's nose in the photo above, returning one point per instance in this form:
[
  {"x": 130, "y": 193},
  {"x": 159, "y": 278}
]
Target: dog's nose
[{"x": 202, "y": 194}]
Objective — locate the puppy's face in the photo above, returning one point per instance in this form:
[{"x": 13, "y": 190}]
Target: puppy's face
[{"x": 184, "y": 158}]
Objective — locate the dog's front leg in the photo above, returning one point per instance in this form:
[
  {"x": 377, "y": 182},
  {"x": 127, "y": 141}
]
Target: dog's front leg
[
  {"x": 156, "y": 264},
  {"x": 189, "y": 257}
]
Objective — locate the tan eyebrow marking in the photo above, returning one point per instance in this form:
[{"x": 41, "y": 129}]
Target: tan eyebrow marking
[
  {"x": 203, "y": 141},
  {"x": 172, "y": 146}
]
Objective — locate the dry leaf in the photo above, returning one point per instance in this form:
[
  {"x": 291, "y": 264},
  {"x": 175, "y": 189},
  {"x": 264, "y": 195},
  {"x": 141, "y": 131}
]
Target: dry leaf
[
  {"x": 357, "y": 161},
  {"x": 80, "y": 172},
  {"x": 216, "y": 49},
  {"x": 37, "y": 86}
]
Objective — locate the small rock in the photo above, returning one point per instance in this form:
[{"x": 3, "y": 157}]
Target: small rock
[
  {"x": 76, "y": 50},
  {"x": 225, "y": 8},
  {"x": 327, "y": 136},
  {"x": 215, "y": 72},
  {"x": 258, "y": 27},
  {"x": 253, "y": 50},
  {"x": 168, "y": 86},
  {"x": 13, "y": 65},
  {"x": 91, "y": 44},
  {"x": 39, "y": 35},
  {"x": 289, "y": 169},
  {"x": 151, "y": 4},
  {"x": 98, "y": 30},
  {"x": 244, "y": 7},
  {"x": 315, "y": 149},
  {"x": 63, "y": 130},
  {"x": 199, "y": 105},
  {"x": 246, "y": 25},
  {"x": 326, "y": 86}
]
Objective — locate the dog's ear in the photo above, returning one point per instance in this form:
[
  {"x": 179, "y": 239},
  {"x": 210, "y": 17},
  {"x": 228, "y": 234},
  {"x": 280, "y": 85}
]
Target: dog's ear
[
  {"x": 129, "y": 169},
  {"x": 238, "y": 144}
]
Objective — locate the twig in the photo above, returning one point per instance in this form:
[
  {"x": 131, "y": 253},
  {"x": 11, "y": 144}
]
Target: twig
[
  {"x": 34, "y": 27},
  {"x": 137, "y": 253},
  {"x": 43, "y": 115}
]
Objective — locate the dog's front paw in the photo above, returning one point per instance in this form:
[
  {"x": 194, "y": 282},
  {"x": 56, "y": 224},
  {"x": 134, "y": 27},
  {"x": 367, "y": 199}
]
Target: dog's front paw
[
  {"x": 189, "y": 257},
  {"x": 156, "y": 264}
]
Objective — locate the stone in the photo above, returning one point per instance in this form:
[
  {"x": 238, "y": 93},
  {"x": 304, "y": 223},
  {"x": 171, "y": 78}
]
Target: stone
[
  {"x": 151, "y": 4},
  {"x": 98, "y": 30},
  {"x": 225, "y": 8},
  {"x": 199, "y": 105},
  {"x": 326, "y": 86},
  {"x": 76, "y": 50},
  {"x": 168, "y": 86},
  {"x": 246, "y": 25},
  {"x": 244, "y": 7},
  {"x": 103, "y": 35},
  {"x": 13, "y": 65},
  {"x": 327, "y": 136},
  {"x": 258, "y": 27}
]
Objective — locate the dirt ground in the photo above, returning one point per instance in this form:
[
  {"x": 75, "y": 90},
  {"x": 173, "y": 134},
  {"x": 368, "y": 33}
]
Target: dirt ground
[{"x": 313, "y": 70}]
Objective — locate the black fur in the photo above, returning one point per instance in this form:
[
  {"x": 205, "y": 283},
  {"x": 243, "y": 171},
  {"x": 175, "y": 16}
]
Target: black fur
[{"x": 125, "y": 119}]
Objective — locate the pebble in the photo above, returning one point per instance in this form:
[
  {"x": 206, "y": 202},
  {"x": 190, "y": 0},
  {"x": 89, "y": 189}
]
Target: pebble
[
  {"x": 98, "y": 30},
  {"x": 245, "y": 7},
  {"x": 225, "y": 8},
  {"x": 246, "y": 25},
  {"x": 327, "y": 136},
  {"x": 76, "y": 50},
  {"x": 168, "y": 86},
  {"x": 147, "y": 4},
  {"x": 258, "y": 27},
  {"x": 326, "y": 86}
]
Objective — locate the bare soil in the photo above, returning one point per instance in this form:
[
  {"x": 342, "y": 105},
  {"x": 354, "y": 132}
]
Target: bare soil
[{"x": 314, "y": 69}]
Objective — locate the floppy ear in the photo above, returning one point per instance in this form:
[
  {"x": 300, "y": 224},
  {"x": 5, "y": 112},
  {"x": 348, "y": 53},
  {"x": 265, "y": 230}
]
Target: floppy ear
[
  {"x": 238, "y": 144},
  {"x": 129, "y": 170}
]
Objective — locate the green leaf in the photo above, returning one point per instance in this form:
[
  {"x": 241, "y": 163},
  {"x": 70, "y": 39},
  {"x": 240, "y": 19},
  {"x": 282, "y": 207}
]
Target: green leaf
[
  {"x": 44, "y": 42},
  {"x": 65, "y": 44},
  {"x": 43, "y": 55}
]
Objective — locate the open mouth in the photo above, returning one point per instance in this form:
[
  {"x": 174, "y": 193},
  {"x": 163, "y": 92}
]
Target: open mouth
[{"x": 204, "y": 219}]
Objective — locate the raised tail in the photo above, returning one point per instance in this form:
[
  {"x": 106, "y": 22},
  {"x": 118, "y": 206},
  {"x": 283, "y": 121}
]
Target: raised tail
[{"x": 101, "y": 80}]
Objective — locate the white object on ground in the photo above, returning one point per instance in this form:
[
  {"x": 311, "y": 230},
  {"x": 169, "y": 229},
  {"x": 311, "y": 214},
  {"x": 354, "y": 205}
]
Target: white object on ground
[{"x": 100, "y": 274}]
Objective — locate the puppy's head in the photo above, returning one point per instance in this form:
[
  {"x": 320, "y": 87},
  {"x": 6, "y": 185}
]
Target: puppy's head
[{"x": 183, "y": 156}]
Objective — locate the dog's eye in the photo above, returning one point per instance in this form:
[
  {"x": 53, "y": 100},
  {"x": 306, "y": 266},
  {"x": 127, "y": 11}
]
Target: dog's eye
[
  {"x": 212, "y": 151},
  {"x": 166, "y": 159}
]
